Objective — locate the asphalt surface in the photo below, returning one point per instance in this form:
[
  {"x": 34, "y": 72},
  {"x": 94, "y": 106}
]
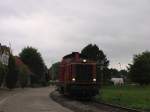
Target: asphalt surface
[{"x": 30, "y": 100}]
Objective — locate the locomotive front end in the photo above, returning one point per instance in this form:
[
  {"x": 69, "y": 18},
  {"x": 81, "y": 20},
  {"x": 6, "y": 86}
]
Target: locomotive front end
[{"x": 84, "y": 81}]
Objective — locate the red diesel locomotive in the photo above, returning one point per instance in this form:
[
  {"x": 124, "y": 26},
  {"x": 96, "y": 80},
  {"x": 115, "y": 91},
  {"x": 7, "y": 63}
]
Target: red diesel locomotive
[{"x": 77, "y": 76}]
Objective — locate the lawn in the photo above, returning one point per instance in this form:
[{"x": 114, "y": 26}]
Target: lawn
[{"x": 137, "y": 97}]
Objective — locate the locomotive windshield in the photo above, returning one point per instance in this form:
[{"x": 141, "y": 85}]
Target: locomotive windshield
[{"x": 83, "y": 72}]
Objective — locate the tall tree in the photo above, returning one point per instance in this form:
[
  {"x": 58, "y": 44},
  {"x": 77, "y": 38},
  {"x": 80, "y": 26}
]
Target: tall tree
[
  {"x": 33, "y": 59},
  {"x": 94, "y": 53},
  {"x": 54, "y": 71},
  {"x": 139, "y": 71},
  {"x": 3, "y": 72},
  {"x": 12, "y": 75}
]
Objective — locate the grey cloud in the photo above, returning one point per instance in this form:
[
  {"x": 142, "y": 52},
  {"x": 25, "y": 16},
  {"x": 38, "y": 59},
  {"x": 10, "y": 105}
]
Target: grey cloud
[{"x": 119, "y": 27}]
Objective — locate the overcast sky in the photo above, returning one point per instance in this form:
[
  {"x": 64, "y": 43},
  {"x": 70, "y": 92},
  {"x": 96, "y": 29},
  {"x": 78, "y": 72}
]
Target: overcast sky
[{"x": 121, "y": 28}]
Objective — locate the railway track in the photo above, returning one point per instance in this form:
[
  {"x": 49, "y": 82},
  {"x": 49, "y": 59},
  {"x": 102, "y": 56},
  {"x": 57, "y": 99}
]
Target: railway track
[{"x": 88, "y": 106}]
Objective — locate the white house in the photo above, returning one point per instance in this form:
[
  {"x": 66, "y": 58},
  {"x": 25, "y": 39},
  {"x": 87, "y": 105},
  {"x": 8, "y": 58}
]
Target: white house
[{"x": 117, "y": 81}]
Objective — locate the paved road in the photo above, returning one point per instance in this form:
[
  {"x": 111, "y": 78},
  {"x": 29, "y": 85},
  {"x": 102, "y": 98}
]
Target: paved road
[{"x": 31, "y": 100}]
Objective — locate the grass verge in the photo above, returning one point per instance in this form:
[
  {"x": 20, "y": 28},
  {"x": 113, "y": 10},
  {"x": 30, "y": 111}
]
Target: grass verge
[{"x": 137, "y": 97}]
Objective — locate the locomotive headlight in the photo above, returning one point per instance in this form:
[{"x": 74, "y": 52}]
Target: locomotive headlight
[
  {"x": 84, "y": 60},
  {"x": 94, "y": 79},
  {"x": 73, "y": 79}
]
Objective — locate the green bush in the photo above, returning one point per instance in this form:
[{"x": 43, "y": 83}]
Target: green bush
[
  {"x": 12, "y": 75},
  {"x": 23, "y": 76},
  {"x": 3, "y": 72},
  {"x": 139, "y": 71}
]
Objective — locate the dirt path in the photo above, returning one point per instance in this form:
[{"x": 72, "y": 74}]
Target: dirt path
[{"x": 31, "y": 100}]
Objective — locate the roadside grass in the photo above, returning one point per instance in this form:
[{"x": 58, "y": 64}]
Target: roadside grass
[{"x": 137, "y": 97}]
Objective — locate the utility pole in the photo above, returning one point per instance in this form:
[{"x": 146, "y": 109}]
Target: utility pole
[
  {"x": 120, "y": 66},
  {"x": 120, "y": 70}
]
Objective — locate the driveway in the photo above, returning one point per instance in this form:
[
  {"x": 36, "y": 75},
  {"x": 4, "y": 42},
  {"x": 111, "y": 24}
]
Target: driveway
[{"x": 31, "y": 100}]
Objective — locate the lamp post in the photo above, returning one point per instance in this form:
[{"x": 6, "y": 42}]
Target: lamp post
[{"x": 121, "y": 75}]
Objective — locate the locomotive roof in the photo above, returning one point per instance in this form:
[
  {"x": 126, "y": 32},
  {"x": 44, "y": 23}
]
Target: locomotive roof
[{"x": 72, "y": 55}]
